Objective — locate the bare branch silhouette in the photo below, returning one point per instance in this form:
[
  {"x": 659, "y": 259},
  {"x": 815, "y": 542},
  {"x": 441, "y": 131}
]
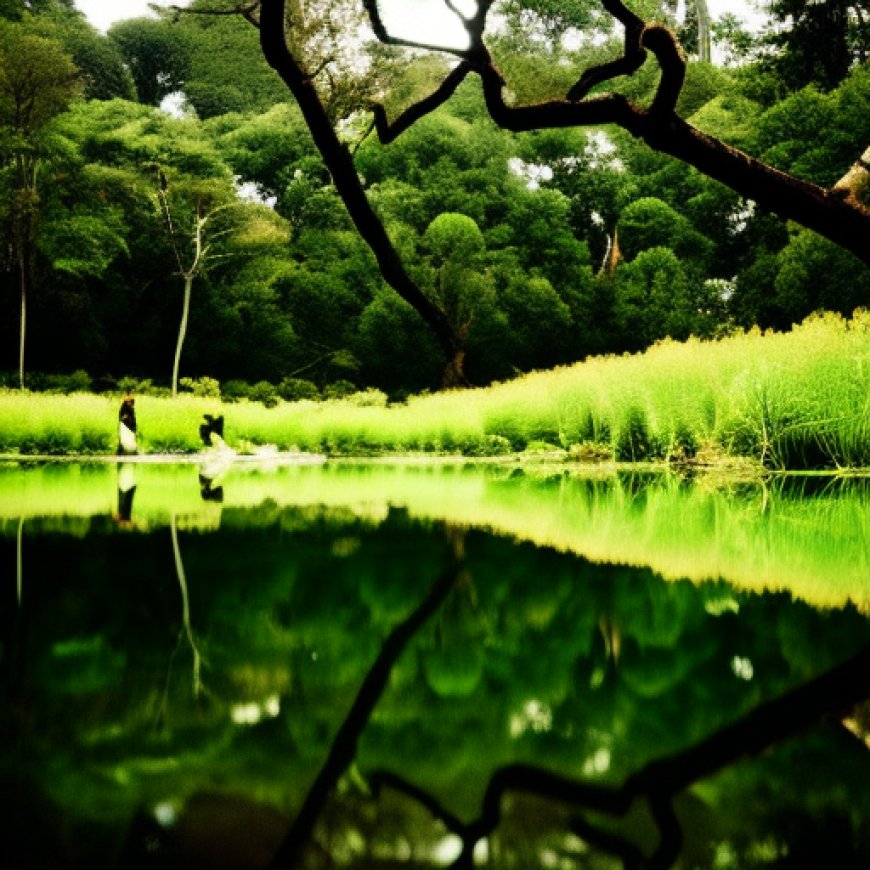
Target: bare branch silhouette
[
  {"x": 343, "y": 749},
  {"x": 661, "y": 780}
]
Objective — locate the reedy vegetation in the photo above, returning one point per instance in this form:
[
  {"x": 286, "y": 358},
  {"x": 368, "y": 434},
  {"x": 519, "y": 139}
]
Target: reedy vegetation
[{"x": 796, "y": 400}]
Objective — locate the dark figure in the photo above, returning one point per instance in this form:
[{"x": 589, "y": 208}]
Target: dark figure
[
  {"x": 212, "y": 425},
  {"x": 208, "y": 490},
  {"x": 216, "y": 460},
  {"x": 126, "y": 491},
  {"x": 127, "y": 425}
]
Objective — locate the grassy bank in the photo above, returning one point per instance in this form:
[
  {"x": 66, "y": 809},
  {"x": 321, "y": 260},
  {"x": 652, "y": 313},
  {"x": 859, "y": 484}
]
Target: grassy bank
[{"x": 797, "y": 400}]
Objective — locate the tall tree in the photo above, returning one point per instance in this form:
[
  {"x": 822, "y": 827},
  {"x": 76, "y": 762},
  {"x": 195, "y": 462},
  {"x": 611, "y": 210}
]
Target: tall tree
[
  {"x": 205, "y": 220},
  {"x": 816, "y": 42},
  {"x": 158, "y": 57},
  {"x": 38, "y": 81}
]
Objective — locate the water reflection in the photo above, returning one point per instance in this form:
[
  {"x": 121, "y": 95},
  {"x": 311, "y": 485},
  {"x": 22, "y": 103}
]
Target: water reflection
[
  {"x": 126, "y": 492},
  {"x": 387, "y": 688},
  {"x": 186, "y": 633}
]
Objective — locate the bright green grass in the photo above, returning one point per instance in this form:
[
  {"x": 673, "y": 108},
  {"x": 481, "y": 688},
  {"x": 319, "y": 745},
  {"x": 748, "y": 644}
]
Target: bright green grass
[{"x": 790, "y": 400}]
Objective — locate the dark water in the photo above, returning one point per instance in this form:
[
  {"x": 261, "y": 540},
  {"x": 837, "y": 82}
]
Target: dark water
[{"x": 351, "y": 666}]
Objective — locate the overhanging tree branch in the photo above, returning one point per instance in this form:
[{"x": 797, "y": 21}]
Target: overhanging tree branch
[
  {"x": 834, "y": 213},
  {"x": 340, "y": 165}
]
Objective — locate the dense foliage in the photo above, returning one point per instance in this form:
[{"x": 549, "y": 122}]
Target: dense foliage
[{"x": 542, "y": 248}]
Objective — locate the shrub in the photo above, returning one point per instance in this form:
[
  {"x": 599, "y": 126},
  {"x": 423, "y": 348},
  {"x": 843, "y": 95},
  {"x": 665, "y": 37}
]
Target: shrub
[
  {"x": 338, "y": 389},
  {"x": 297, "y": 390},
  {"x": 235, "y": 391},
  {"x": 491, "y": 445},
  {"x": 632, "y": 442},
  {"x": 143, "y": 387},
  {"x": 77, "y": 382},
  {"x": 370, "y": 398},
  {"x": 205, "y": 388},
  {"x": 265, "y": 393},
  {"x": 684, "y": 445}
]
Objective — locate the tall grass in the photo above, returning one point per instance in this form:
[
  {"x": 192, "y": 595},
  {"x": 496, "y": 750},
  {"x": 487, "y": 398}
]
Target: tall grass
[{"x": 796, "y": 400}]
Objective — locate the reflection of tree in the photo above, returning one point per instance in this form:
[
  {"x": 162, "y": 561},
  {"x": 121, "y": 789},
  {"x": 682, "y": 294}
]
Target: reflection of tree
[
  {"x": 343, "y": 749},
  {"x": 186, "y": 629},
  {"x": 454, "y": 661},
  {"x": 660, "y": 781},
  {"x": 19, "y": 561}
]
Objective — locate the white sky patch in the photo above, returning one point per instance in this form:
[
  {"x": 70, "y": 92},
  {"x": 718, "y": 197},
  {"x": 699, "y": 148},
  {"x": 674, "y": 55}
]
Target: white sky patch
[
  {"x": 249, "y": 191},
  {"x": 174, "y": 104},
  {"x": 533, "y": 173},
  {"x": 423, "y": 20}
]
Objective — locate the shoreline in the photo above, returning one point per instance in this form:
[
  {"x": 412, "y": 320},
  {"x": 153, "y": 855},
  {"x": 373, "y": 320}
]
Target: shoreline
[{"x": 732, "y": 469}]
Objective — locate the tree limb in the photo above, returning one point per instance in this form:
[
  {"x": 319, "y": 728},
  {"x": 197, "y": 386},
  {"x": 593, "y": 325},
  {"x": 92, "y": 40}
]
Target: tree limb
[
  {"x": 632, "y": 58},
  {"x": 388, "y": 132},
  {"x": 340, "y": 165},
  {"x": 842, "y": 219}
]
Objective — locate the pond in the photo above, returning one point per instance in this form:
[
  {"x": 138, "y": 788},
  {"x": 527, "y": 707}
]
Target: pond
[{"x": 422, "y": 665}]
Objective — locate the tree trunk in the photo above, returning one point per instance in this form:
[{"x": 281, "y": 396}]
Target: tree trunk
[
  {"x": 182, "y": 332},
  {"x": 855, "y": 184},
  {"x": 703, "y": 13},
  {"x": 453, "y": 375},
  {"x": 22, "y": 270},
  {"x": 340, "y": 165}
]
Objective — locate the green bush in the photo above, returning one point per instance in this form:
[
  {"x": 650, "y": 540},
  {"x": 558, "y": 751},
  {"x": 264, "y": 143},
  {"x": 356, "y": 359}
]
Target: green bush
[
  {"x": 77, "y": 382},
  {"x": 370, "y": 398},
  {"x": 339, "y": 389},
  {"x": 205, "y": 388},
  {"x": 141, "y": 387},
  {"x": 235, "y": 390},
  {"x": 297, "y": 390},
  {"x": 684, "y": 445},
  {"x": 265, "y": 393}
]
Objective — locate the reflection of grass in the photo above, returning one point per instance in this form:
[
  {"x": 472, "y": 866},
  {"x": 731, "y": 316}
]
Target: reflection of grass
[
  {"x": 795, "y": 400},
  {"x": 798, "y": 538}
]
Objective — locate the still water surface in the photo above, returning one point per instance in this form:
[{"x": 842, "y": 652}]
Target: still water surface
[{"x": 352, "y": 665}]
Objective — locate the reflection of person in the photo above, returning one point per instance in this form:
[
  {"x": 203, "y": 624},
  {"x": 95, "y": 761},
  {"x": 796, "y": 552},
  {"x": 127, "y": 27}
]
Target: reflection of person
[
  {"x": 209, "y": 490},
  {"x": 126, "y": 491},
  {"x": 216, "y": 460},
  {"x": 127, "y": 426}
]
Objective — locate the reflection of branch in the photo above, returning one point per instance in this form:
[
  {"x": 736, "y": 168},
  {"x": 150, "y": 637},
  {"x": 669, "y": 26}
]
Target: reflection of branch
[
  {"x": 659, "y": 781},
  {"x": 343, "y": 749}
]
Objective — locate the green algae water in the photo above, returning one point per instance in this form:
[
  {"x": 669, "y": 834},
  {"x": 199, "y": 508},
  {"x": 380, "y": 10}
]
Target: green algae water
[{"x": 383, "y": 665}]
